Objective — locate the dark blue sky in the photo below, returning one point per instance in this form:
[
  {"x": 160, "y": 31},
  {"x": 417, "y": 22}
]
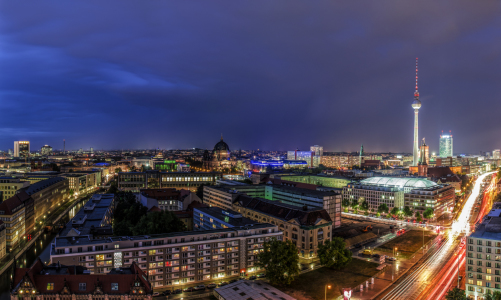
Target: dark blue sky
[{"x": 267, "y": 74}]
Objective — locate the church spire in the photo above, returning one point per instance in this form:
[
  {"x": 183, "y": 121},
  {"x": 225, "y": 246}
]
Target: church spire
[{"x": 221, "y": 136}]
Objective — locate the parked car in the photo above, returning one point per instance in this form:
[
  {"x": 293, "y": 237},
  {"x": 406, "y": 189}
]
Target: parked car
[
  {"x": 211, "y": 285},
  {"x": 391, "y": 258},
  {"x": 233, "y": 280},
  {"x": 223, "y": 283},
  {"x": 200, "y": 288},
  {"x": 253, "y": 277},
  {"x": 177, "y": 291},
  {"x": 167, "y": 293},
  {"x": 262, "y": 275},
  {"x": 188, "y": 289},
  {"x": 377, "y": 255},
  {"x": 156, "y": 294}
]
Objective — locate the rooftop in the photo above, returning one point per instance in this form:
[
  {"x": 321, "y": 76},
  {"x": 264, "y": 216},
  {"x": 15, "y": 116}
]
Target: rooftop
[
  {"x": 66, "y": 241},
  {"x": 41, "y": 185},
  {"x": 256, "y": 290},
  {"x": 407, "y": 182},
  {"x": 227, "y": 216}
]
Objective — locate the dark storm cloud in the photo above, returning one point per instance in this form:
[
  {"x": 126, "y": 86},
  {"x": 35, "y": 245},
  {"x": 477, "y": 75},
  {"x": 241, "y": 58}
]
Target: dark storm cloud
[{"x": 267, "y": 74}]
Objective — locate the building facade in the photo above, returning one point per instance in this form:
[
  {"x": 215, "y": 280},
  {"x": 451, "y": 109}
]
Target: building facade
[
  {"x": 12, "y": 215},
  {"x": 483, "y": 257},
  {"x": 135, "y": 181},
  {"x": 307, "y": 228},
  {"x": 173, "y": 259},
  {"x": 210, "y": 218},
  {"x": 22, "y": 149},
  {"x": 225, "y": 196},
  {"x": 311, "y": 159},
  {"x": 417, "y": 193},
  {"x": 167, "y": 199},
  {"x": 47, "y": 195},
  {"x": 445, "y": 146},
  {"x": 9, "y": 186},
  {"x": 46, "y": 150}
]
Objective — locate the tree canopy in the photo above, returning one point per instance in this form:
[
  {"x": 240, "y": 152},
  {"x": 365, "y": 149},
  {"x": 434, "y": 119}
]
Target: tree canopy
[
  {"x": 488, "y": 296},
  {"x": 383, "y": 208},
  {"x": 333, "y": 254},
  {"x": 280, "y": 260},
  {"x": 395, "y": 211},
  {"x": 364, "y": 205},
  {"x": 158, "y": 222},
  {"x": 418, "y": 216},
  {"x": 455, "y": 294},
  {"x": 408, "y": 211},
  {"x": 428, "y": 213}
]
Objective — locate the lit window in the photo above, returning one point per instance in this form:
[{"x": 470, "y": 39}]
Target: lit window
[
  {"x": 82, "y": 286},
  {"x": 114, "y": 286},
  {"x": 50, "y": 286}
]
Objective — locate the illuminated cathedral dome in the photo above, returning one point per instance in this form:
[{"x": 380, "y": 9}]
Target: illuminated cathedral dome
[{"x": 221, "y": 151}]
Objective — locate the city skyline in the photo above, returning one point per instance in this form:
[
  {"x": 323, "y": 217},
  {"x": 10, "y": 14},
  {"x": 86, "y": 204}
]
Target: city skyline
[{"x": 344, "y": 78}]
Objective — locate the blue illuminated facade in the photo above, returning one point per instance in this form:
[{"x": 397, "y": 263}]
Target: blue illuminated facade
[{"x": 278, "y": 164}]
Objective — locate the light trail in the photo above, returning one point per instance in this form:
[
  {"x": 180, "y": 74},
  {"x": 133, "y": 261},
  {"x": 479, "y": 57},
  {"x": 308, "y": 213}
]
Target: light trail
[{"x": 414, "y": 285}]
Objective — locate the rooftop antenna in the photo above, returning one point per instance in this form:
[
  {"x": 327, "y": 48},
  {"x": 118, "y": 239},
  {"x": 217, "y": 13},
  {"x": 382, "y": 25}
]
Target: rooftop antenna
[{"x": 416, "y": 93}]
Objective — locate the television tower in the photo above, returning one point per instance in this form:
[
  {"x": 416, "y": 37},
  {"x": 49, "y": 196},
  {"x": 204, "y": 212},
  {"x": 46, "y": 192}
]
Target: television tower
[{"x": 416, "y": 104}]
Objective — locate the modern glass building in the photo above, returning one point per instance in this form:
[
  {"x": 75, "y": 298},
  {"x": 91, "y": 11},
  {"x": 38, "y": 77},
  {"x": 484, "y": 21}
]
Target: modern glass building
[
  {"x": 445, "y": 147},
  {"x": 310, "y": 157}
]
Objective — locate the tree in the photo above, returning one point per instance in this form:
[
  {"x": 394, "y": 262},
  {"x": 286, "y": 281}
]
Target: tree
[
  {"x": 71, "y": 192},
  {"x": 132, "y": 168},
  {"x": 383, "y": 208},
  {"x": 364, "y": 205},
  {"x": 118, "y": 170},
  {"x": 158, "y": 222},
  {"x": 333, "y": 254},
  {"x": 455, "y": 294},
  {"x": 395, "y": 211},
  {"x": 113, "y": 188},
  {"x": 354, "y": 203},
  {"x": 418, "y": 216},
  {"x": 345, "y": 202},
  {"x": 408, "y": 211},
  {"x": 127, "y": 213},
  {"x": 428, "y": 213},
  {"x": 280, "y": 260}
]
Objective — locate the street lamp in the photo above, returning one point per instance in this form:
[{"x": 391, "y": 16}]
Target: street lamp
[{"x": 329, "y": 287}]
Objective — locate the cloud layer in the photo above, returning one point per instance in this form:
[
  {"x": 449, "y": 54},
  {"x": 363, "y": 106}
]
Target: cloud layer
[{"x": 266, "y": 74}]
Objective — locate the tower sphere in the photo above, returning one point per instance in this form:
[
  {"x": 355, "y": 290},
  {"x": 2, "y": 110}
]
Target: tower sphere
[{"x": 416, "y": 104}]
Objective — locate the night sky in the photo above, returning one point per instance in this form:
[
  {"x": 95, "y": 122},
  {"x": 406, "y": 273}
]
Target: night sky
[{"x": 267, "y": 74}]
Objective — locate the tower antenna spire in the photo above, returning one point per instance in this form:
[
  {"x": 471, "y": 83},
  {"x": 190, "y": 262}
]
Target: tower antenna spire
[{"x": 416, "y": 93}]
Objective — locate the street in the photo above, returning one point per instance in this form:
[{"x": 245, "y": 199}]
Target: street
[{"x": 438, "y": 268}]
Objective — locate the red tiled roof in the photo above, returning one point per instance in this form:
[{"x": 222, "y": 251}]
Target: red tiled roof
[{"x": 41, "y": 281}]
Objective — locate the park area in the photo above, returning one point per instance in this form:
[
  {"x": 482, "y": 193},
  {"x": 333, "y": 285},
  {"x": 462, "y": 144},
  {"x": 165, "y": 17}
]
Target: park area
[
  {"x": 311, "y": 285},
  {"x": 408, "y": 243}
]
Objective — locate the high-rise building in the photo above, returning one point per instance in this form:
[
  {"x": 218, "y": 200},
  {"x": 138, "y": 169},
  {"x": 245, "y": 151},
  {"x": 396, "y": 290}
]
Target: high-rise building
[
  {"x": 423, "y": 165},
  {"x": 91, "y": 150},
  {"x": 416, "y": 105},
  {"x": 426, "y": 149},
  {"x": 318, "y": 150},
  {"x": 445, "y": 146},
  {"x": 360, "y": 156},
  {"x": 21, "y": 149},
  {"x": 46, "y": 150},
  {"x": 496, "y": 154}
]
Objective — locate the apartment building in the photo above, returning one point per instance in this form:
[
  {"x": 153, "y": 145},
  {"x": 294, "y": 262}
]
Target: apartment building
[
  {"x": 3, "y": 240},
  {"x": 483, "y": 256},
  {"x": 12, "y": 214},
  {"x": 225, "y": 196},
  {"x": 82, "y": 181},
  {"x": 305, "y": 227},
  {"x": 172, "y": 259},
  {"x": 47, "y": 195},
  {"x": 135, "y": 181},
  {"x": 320, "y": 180},
  {"x": 9, "y": 186}
]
